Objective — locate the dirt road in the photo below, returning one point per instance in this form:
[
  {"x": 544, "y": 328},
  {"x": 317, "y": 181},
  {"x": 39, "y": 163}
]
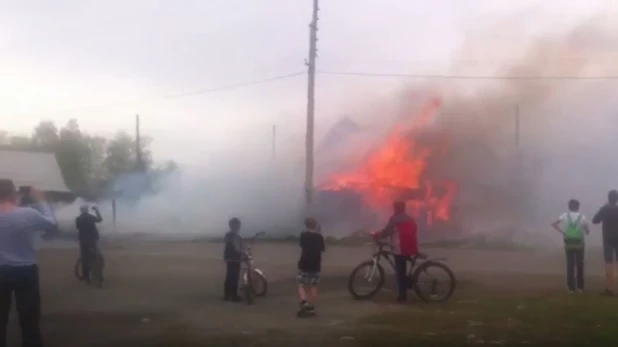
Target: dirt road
[{"x": 168, "y": 292}]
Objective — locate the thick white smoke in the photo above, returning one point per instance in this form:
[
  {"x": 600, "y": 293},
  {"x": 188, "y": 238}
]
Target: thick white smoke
[{"x": 567, "y": 135}]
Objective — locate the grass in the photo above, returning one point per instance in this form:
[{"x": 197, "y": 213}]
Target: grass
[{"x": 564, "y": 320}]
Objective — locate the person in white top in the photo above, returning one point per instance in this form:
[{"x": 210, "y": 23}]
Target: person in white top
[{"x": 573, "y": 225}]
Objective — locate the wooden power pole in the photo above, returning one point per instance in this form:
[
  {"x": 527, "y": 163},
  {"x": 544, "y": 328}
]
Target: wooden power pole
[
  {"x": 313, "y": 53},
  {"x": 139, "y": 161},
  {"x": 274, "y": 142}
]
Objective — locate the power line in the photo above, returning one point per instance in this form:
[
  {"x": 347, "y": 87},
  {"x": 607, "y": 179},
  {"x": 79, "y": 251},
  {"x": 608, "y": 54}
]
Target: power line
[
  {"x": 234, "y": 86},
  {"x": 178, "y": 95},
  {"x": 465, "y": 77}
]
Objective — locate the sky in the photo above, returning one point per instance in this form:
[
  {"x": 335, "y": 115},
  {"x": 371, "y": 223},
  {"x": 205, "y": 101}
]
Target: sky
[{"x": 102, "y": 62}]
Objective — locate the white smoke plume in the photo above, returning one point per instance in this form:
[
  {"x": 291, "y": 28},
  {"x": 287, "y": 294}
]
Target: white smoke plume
[{"x": 567, "y": 135}]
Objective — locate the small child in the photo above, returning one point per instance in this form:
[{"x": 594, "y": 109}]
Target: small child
[
  {"x": 572, "y": 225},
  {"x": 232, "y": 255},
  {"x": 309, "y": 266}
]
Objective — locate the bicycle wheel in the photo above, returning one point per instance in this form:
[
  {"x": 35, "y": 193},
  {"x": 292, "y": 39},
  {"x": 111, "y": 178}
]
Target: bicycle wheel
[
  {"x": 436, "y": 277},
  {"x": 259, "y": 283},
  {"x": 248, "y": 288},
  {"x": 77, "y": 270},
  {"x": 372, "y": 280}
]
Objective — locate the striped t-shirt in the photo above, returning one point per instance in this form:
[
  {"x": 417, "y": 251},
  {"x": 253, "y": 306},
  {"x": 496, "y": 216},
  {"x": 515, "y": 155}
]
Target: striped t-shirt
[{"x": 16, "y": 233}]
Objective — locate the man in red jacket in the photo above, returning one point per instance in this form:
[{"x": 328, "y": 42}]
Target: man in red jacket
[{"x": 402, "y": 230}]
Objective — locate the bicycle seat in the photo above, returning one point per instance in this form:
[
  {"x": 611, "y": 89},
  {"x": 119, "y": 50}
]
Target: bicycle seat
[{"x": 422, "y": 256}]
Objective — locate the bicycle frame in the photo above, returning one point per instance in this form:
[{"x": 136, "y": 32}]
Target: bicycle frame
[
  {"x": 247, "y": 260},
  {"x": 380, "y": 252}
]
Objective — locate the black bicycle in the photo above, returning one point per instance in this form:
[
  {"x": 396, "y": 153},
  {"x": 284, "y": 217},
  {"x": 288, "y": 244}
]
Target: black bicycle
[
  {"x": 96, "y": 268},
  {"x": 421, "y": 274},
  {"x": 253, "y": 281}
]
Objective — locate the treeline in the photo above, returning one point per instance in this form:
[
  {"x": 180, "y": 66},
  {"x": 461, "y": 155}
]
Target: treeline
[{"x": 89, "y": 163}]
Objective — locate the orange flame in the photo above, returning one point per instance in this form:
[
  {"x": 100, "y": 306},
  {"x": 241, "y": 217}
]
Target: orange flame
[{"x": 399, "y": 166}]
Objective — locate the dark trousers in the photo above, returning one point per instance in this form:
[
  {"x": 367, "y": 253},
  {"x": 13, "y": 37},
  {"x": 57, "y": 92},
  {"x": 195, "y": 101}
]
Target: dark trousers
[
  {"x": 24, "y": 282},
  {"x": 401, "y": 262},
  {"x": 575, "y": 268},
  {"x": 232, "y": 276},
  {"x": 87, "y": 250}
]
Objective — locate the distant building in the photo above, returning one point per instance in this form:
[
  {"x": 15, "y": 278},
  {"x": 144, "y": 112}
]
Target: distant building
[{"x": 37, "y": 169}]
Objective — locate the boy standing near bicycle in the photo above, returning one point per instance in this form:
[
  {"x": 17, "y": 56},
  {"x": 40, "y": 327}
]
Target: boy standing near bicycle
[
  {"x": 309, "y": 266},
  {"x": 572, "y": 225}
]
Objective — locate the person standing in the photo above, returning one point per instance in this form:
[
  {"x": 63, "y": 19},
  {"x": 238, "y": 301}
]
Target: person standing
[
  {"x": 572, "y": 225},
  {"x": 88, "y": 236},
  {"x": 309, "y": 266},
  {"x": 232, "y": 254},
  {"x": 19, "y": 274},
  {"x": 402, "y": 230},
  {"x": 607, "y": 216}
]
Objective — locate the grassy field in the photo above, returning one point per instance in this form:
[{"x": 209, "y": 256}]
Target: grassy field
[
  {"x": 564, "y": 320},
  {"x": 169, "y": 294}
]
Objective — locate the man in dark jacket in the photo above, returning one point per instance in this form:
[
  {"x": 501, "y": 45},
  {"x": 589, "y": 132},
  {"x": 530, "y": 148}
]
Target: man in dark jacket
[
  {"x": 232, "y": 254},
  {"x": 402, "y": 230},
  {"x": 88, "y": 236},
  {"x": 608, "y": 216}
]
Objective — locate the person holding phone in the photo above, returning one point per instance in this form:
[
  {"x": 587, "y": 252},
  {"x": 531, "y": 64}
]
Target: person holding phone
[
  {"x": 19, "y": 273},
  {"x": 88, "y": 236}
]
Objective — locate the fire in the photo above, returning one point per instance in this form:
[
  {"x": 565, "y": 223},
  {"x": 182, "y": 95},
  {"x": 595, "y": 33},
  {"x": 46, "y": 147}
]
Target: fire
[{"x": 398, "y": 170}]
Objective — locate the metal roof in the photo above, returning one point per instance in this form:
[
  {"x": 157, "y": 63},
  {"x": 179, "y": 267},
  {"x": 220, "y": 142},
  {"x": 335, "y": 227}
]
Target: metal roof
[{"x": 36, "y": 169}]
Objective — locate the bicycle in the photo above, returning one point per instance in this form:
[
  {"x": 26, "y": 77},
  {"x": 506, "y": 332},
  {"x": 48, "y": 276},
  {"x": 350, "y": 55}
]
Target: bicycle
[
  {"x": 419, "y": 265},
  {"x": 96, "y": 268},
  {"x": 254, "y": 282}
]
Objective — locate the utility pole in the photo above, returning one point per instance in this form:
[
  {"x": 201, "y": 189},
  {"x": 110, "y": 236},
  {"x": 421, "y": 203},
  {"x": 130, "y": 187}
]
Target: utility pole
[
  {"x": 313, "y": 53},
  {"x": 139, "y": 161},
  {"x": 274, "y": 144},
  {"x": 517, "y": 125}
]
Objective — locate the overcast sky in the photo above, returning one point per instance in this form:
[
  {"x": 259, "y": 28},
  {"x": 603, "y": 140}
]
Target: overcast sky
[{"x": 60, "y": 55}]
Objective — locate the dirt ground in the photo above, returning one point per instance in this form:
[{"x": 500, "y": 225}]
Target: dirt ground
[{"x": 166, "y": 292}]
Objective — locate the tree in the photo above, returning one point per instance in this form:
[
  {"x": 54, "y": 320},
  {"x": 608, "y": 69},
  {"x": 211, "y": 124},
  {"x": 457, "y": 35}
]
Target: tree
[
  {"x": 45, "y": 136},
  {"x": 119, "y": 157},
  {"x": 89, "y": 164},
  {"x": 95, "y": 164},
  {"x": 72, "y": 153}
]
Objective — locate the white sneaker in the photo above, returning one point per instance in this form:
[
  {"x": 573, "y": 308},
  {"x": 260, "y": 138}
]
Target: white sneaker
[
  {"x": 580, "y": 291},
  {"x": 571, "y": 292}
]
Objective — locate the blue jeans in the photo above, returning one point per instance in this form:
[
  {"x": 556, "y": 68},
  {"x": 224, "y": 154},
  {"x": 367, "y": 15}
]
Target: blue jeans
[{"x": 401, "y": 262}]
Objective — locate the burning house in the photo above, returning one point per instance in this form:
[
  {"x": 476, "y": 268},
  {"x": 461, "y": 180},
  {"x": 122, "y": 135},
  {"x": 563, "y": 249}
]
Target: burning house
[{"x": 401, "y": 167}]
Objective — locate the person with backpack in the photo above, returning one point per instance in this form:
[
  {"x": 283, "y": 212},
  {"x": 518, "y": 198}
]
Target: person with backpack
[{"x": 572, "y": 225}]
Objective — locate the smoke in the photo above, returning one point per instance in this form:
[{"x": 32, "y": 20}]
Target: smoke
[
  {"x": 198, "y": 202},
  {"x": 566, "y": 128},
  {"x": 521, "y": 146},
  {"x": 563, "y": 148}
]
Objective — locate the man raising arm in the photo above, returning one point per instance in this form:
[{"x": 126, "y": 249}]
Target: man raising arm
[{"x": 88, "y": 235}]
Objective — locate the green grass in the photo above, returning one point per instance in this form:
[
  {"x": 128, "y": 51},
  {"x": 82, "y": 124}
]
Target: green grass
[{"x": 565, "y": 320}]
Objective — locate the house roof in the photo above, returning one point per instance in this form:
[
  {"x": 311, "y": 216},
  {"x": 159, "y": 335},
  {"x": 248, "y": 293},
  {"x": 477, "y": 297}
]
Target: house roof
[{"x": 36, "y": 169}]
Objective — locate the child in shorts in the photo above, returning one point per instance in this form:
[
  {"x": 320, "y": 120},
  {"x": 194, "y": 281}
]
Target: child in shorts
[
  {"x": 572, "y": 225},
  {"x": 309, "y": 266}
]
